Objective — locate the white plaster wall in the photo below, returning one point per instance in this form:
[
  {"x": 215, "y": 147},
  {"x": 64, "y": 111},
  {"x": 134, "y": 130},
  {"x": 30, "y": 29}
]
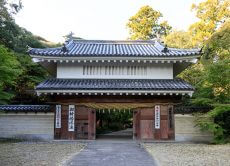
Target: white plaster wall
[
  {"x": 186, "y": 130},
  {"x": 142, "y": 71},
  {"x": 41, "y": 126},
  {"x": 27, "y": 126}
]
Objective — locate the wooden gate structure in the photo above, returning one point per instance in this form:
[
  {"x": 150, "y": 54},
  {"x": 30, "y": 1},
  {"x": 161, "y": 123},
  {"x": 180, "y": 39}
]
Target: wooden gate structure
[
  {"x": 153, "y": 117},
  {"x": 88, "y": 75}
]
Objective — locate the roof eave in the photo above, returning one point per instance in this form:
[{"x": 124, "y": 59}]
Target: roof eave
[
  {"x": 114, "y": 92},
  {"x": 41, "y": 58}
]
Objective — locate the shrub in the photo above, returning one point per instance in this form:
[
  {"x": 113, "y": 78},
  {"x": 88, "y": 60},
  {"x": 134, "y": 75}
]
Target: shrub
[{"x": 217, "y": 121}]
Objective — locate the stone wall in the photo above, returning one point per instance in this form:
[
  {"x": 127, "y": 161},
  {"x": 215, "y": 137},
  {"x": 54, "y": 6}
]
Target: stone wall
[
  {"x": 41, "y": 126},
  {"x": 185, "y": 130},
  {"x": 27, "y": 126}
]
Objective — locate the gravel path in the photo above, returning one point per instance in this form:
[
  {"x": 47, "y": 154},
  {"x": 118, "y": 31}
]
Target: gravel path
[
  {"x": 37, "y": 153},
  {"x": 180, "y": 154}
]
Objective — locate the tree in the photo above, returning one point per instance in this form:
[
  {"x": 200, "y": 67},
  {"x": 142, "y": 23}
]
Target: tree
[
  {"x": 31, "y": 75},
  {"x": 179, "y": 39},
  {"x": 9, "y": 69},
  {"x": 215, "y": 83},
  {"x": 211, "y": 14},
  {"x": 202, "y": 33},
  {"x": 16, "y": 39},
  {"x": 145, "y": 24},
  {"x": 213, "y": 88},
  {"x": 8, "y": 9},
  {"x": 218, "y": 46}
]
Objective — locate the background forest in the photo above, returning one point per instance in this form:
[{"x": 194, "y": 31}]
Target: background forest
[{"x": 210, "y": 75}]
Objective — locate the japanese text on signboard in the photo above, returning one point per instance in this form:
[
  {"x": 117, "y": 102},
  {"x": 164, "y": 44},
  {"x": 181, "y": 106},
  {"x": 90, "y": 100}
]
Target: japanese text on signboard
[
  {"x": 58, "y": 116},
  {"x": 71, "y": 118},
  {"x": 157, "y": 117}
]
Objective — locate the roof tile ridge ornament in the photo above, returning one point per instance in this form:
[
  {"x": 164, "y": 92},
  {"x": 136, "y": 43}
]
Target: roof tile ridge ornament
[
  {"x": 28, "y": 48},
  {"x": 201, "y": 49},
  {"x": 67, "y": 45},
  {"x": 161, "y": 46}
]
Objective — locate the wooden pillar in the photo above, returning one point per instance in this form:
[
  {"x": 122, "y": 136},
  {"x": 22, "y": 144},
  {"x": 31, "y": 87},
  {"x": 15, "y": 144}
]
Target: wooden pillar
[
  {"x": 91, "y": 124},
  {"x": 171, "y": 120},
  {"x": 136, "y": 124},
  {"x": 64, "y": 122}
]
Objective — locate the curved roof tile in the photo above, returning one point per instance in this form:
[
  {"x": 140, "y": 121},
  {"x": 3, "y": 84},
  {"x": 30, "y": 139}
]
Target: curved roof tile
[
  {"x": 118, "y": 84},
  {"x": 108, "y": 48}
]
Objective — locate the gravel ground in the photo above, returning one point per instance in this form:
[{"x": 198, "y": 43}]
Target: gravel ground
[
  {"x": 180, "y": 154},
  {"x": 37, "y": 153}
]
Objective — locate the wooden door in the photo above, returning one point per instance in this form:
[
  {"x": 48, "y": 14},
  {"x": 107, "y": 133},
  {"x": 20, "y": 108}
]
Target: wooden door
[
  {"x": 81, "y": 129},
  {"x": 164, "y": 130},
  {"x": 81, "y": 120},
  {"x": 146, "y": 123}
]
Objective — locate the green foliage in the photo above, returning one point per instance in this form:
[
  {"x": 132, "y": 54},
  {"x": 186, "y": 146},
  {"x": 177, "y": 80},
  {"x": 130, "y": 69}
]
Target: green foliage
[
  {"x": 7, "y": 9},
  {"x": 214, "y": 84},
  {"x": 214, "y": 90},
  {"x": 218, "y": 46},
  {"x": 193, "y": 74},
  {"x": 145, "y": 24},
  {"x": 113, "y": 120},
  {"x": 32, "y": 74},
  {"x": 218, "y": 78},
  {"x": 217, "y": 121},
  {"x": 9, "y": 69},
  {"x": 179, "y": 39},
  {"x": 211, "y": 14},
  {"x": 17, "y": 39}
]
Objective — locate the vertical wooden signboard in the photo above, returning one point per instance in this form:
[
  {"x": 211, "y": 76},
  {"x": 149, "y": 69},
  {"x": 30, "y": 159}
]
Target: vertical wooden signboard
[
  {"x": 71, "y": 118},
  {"x": 157, "y": 117},
  {"x": 58, "y": 117}
]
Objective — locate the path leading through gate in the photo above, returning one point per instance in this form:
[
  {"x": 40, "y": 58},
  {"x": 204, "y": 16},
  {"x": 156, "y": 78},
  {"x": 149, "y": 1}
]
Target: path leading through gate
[{"x": 112, "y": 153}]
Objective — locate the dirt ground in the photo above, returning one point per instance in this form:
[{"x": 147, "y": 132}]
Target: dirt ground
[
  {"x": 14, "y": 153},
  {"x": 180, "y": 154}
]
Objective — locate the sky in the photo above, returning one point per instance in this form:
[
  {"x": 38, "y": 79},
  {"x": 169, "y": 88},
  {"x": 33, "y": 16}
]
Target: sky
[{"x": 96, "y": 19}]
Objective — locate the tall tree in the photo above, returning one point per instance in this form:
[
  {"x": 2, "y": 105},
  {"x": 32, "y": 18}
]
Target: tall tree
[
  {"x": 211, "y": 14},
  {"x": 179, "y": 39},
  {"x": 7, "y": 9},
  {"x": 218, "y": 46},
  {"x": 145, "y": 24},
  {"x": 9, "y": 69},
  {"x": 16, "y": 39}
]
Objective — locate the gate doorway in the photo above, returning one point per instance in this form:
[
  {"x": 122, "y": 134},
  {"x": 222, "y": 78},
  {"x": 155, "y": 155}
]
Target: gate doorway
[
  {"x": 114, "y": 124},
  {"x": 142, "y": 121}
]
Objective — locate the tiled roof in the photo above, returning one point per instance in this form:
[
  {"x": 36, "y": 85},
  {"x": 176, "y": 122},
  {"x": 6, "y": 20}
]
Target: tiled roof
[
  {"x": 103, "y": 48},
  {"x": 109, "y": 84},
  {"x": 25, "y": 108}
]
